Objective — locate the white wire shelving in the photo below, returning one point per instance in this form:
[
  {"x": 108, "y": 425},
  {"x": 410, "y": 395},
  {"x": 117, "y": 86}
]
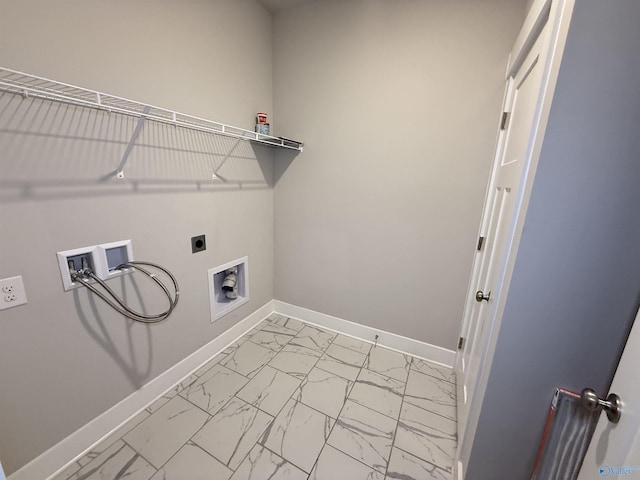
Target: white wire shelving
[{"x": 33, "y": 86}]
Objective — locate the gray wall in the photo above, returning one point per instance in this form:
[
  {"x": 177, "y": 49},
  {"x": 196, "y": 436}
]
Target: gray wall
[
  {"x": 574, "y": 291},
  {"x": 529, "y": 4},
  {"x": 397, "y": 103},
  {"x": 64, "y": 360}
]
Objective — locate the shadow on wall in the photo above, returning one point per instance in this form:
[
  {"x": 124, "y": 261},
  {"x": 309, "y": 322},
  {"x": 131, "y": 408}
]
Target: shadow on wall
[
  {"x": 102, "y": 332},
  {"x": 283, "y": 159},
  {"x": 54, "y": 150}
]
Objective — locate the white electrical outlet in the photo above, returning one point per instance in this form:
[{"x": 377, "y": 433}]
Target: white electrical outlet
[{"x": 13, "y": 293}]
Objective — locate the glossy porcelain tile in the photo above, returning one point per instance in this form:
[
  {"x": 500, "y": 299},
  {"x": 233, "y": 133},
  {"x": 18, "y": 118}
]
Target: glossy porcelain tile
[
  {"x": 364, "y": 434},
  {"x": 431, "y": 394},
  {"x": 214, "y": 388},
  {"x": 295, "y": 360},
  {"x": 427, "y": 435},
  {"x": 313, "y": 338},
  {"x": 248, "y": 359},
  {"x": 324, "y": 391},
  {"x": 290, "y": 323},
  {"x": 298, "y": 434},
  {"x": 436, "y": 371},
  {"x": 378, "y": 392},
  {"x": 111, "y": 439},
  {"x": 272, "y": 341},
  {"x": 352, "y": 344},
  {"x": 387, "y": 362},
  {"x": 335, "y": 465},
  {"x": 284, "y": 328},
  {"x": 194, "y": 460},
  {"x": 233, "y": 431},
  {"x": 261, "y": 464},
  {"x": 117, "y": 462},
  {"x": 234, "y": 346},
  {"x": 163, "y": 433},
  {"x": 269, "y": 390},
  {"x": 290, "y": 400},
  {"x": 404, "y": 466},
  {"x": 342, "y": 361},
  {"x": 67, "y": 472},
  {"x": 208, "y": 365},
  {"x": 171, "y": 393},
  {"x": 272, "y": 337}
]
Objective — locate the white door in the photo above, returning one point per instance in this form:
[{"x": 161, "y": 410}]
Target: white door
[
  {"x": 614, "y": 451},
  {"x": 504, "y": 197}
]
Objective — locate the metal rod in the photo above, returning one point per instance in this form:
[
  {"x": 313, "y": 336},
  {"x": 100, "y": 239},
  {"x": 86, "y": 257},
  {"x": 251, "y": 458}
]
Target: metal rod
[
  {"x": 235, "y": 145},
  {"x": 134, "y": 137}
]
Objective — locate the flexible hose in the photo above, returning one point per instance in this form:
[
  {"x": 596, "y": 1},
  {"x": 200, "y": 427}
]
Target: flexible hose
[{"x": 118, "y": 305}]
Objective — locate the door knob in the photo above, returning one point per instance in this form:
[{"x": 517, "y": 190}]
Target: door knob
[
  {"x": 612, "y": 405},
  {"x": 480, "y": 296}
]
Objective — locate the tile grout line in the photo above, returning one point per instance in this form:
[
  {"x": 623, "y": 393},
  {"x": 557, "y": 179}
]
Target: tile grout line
[
  {"x": 286, "y": 460},
  {"x": 178, "y": 393},
  {"x": 326, "y": 442},
  {"x": 369, "y": 408},
  {"x": 336, "y": 420},
  {"x": 294, "y": 334},
  {"x": 395, "y": 433},
  {"x": 431, "y": 411},
  {"x": 182, "y": 445},
  {"x": 436, "y": 378},
  {"x": 145, "y": 458},
  {"x": 353, "y": 383},
  {"x": 292, "y": 398},
  {"x": 425, "y": 461},
  {"x": 209, "y": 414},
  {"x": 394, "y": 439},
  {"x": 282, "y": 408},
  {"x": 258, "y": 408},
  {"x": 274, "y": 416},
  {"x": 435, "y": 413}
]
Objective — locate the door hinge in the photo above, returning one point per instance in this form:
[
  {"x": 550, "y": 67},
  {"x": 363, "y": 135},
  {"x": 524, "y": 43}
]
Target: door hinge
[
  {"x": 504, "y": 123},
  {"x": 480, "y": 243},
  {"x": 460, "y": 343}
]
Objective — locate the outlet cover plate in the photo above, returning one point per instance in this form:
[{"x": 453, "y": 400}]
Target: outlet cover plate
[
  {"x": 198, "y": 244},
  {"x": 12, "y": 292}
]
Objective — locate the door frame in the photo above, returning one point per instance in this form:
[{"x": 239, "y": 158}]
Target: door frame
[{"x": 559, "y": 17}]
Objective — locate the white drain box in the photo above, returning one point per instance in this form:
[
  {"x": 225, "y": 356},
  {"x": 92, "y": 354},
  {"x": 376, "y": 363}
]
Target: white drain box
[{"x": 220, "y": 304}]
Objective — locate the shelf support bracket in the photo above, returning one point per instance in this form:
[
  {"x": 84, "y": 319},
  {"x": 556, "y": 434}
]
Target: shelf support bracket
[
  {"x": 134, "y": 137},
  {"x": 229, "y": 153}
]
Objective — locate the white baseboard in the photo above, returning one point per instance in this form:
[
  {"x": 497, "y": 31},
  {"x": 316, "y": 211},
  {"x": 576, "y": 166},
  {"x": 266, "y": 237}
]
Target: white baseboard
[
  {"x": 416, "y": 348},
  {"x": 54, "y": 460}
]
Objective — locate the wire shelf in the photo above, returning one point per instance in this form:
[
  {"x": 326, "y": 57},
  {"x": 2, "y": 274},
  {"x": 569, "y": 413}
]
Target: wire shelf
[{"x": 37, "y": 87}]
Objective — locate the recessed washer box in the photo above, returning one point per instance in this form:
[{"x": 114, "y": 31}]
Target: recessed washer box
[
  {"x": 103, "y": 260},
  {"x": 218, "y": 301},
  {"x": 113, "y": 255},
  {"x": 76, "y": 257}
]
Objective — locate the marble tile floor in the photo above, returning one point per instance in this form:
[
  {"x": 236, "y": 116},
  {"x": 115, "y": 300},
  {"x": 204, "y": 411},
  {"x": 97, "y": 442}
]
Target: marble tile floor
[{"x": 290, "y": 401}]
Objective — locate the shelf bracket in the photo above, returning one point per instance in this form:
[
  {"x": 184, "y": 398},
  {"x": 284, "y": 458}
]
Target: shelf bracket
[
  {"x": 215, "y": 172},
  {"x": 134, "y": 137}
]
